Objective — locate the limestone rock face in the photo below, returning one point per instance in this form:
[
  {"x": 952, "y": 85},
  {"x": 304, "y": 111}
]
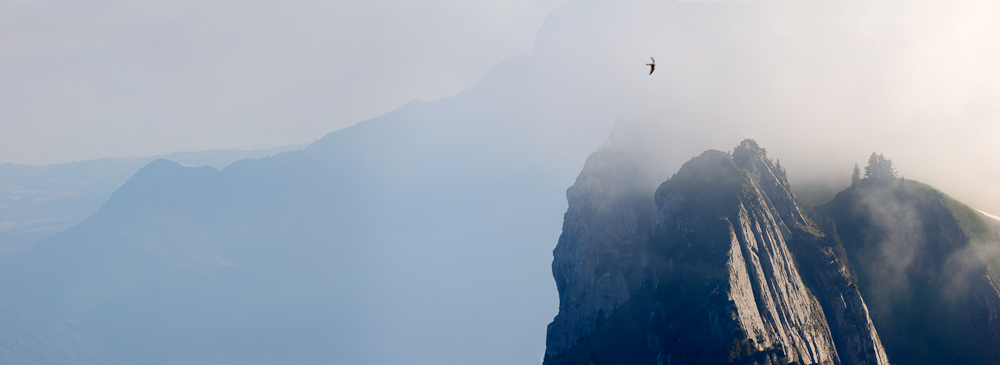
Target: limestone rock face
[
  {"x": 860, "y": 342},
  {"x": 769, "y": 308},
  {"x": 847, "y": 314},
  {"x": 601, "y": 251},
  {"x": 770, "y": 179},
  {"x": 703, "y": 269}
]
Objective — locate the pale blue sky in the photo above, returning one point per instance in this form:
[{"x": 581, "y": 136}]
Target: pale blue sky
[
  {"x": 105, "y": 78},
  {"x": 821, "y": 83}
]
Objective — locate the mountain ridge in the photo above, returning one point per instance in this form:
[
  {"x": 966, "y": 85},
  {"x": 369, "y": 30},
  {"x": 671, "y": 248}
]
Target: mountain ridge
[{"x": 823, "y": 257}]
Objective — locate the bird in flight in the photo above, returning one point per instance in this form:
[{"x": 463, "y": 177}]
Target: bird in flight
[{"x": 652, "y": 65}]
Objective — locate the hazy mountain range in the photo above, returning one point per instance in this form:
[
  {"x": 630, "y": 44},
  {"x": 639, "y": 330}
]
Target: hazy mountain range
[
  {"x": 426, "y": 235},
  {"x": 39, "y": 201}
]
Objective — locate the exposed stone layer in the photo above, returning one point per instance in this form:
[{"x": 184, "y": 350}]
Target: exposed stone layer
[
  {"x": 846, "y": 312},
  {"x": 771, "y": 306},
  {"x": 706, "y": 275},
  {"x": 600, "y": 253}
]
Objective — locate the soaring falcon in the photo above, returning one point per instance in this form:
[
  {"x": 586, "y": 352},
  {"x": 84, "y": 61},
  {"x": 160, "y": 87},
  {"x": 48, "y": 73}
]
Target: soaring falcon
[{"x": 652, "y": 65}]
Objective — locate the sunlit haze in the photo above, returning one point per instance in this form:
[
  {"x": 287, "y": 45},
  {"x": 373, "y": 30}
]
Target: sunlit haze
[
  {"x": 122, "y": 78},
  {"x": 415, "y": 220}
]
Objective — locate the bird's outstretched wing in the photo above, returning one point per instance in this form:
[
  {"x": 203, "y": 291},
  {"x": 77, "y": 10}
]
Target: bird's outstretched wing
[
  {"x": 653, "y": 59},
  {"x": 651, "y": 68}
]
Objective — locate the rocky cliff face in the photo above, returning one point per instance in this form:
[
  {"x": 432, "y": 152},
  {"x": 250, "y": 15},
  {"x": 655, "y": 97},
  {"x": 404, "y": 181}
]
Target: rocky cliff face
[
  {"x": 825, "y": 273},
  {"x": 771, "y": 180},
  {"x": 828, "y": 276},
  {"x": 769, "y": 308},
  {"x": 713, "y": 279},
  {"x": 599, "y": 257}
]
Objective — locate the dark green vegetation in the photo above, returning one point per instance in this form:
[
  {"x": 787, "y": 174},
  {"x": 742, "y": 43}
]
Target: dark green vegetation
[{"x": 926, "y": 265}]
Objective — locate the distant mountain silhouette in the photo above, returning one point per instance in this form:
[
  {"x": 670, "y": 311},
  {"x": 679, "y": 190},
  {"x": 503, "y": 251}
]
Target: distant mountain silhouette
[
  {"x": 399, "y": 226},
  {"x": 43, "y": 200}
]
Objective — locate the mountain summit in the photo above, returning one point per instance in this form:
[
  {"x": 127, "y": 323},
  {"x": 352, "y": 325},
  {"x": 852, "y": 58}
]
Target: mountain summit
[
  {"x": 710, "y": 278},
  {"x": 720, "y": 265}
]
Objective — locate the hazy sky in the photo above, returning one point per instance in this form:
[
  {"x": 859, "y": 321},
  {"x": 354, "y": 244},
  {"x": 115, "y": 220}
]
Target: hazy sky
[
  {"x": 818, "y": 83},
  {"x": 84, "y": 80}
]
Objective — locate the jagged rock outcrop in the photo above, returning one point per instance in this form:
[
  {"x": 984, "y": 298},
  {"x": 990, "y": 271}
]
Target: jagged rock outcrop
[
  {"x": 714, "y": 279},
  {"x": 826, "y": 274},
  {"x": 599, "y": 256},
  {"x": 769, "y": 307},
  {"x": 770, "y": 179},
  {"x": 829, "y": 278}
]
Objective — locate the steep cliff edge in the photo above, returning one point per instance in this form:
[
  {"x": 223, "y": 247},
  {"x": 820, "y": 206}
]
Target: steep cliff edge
[
  {"x": 720, "y": 236},
  {"x": 730, "y": 270},
  {"x": 714, "y": 279},
  {"x": 825, "y": 270},
  {"x": 599, "y": 257}
]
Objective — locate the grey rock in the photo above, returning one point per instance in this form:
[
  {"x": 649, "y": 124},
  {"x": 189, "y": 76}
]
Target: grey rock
[
  {"x": 769, "y": 302},
  {"x": 706, "y": 262},
  {"x": 600, "y": 254}
]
